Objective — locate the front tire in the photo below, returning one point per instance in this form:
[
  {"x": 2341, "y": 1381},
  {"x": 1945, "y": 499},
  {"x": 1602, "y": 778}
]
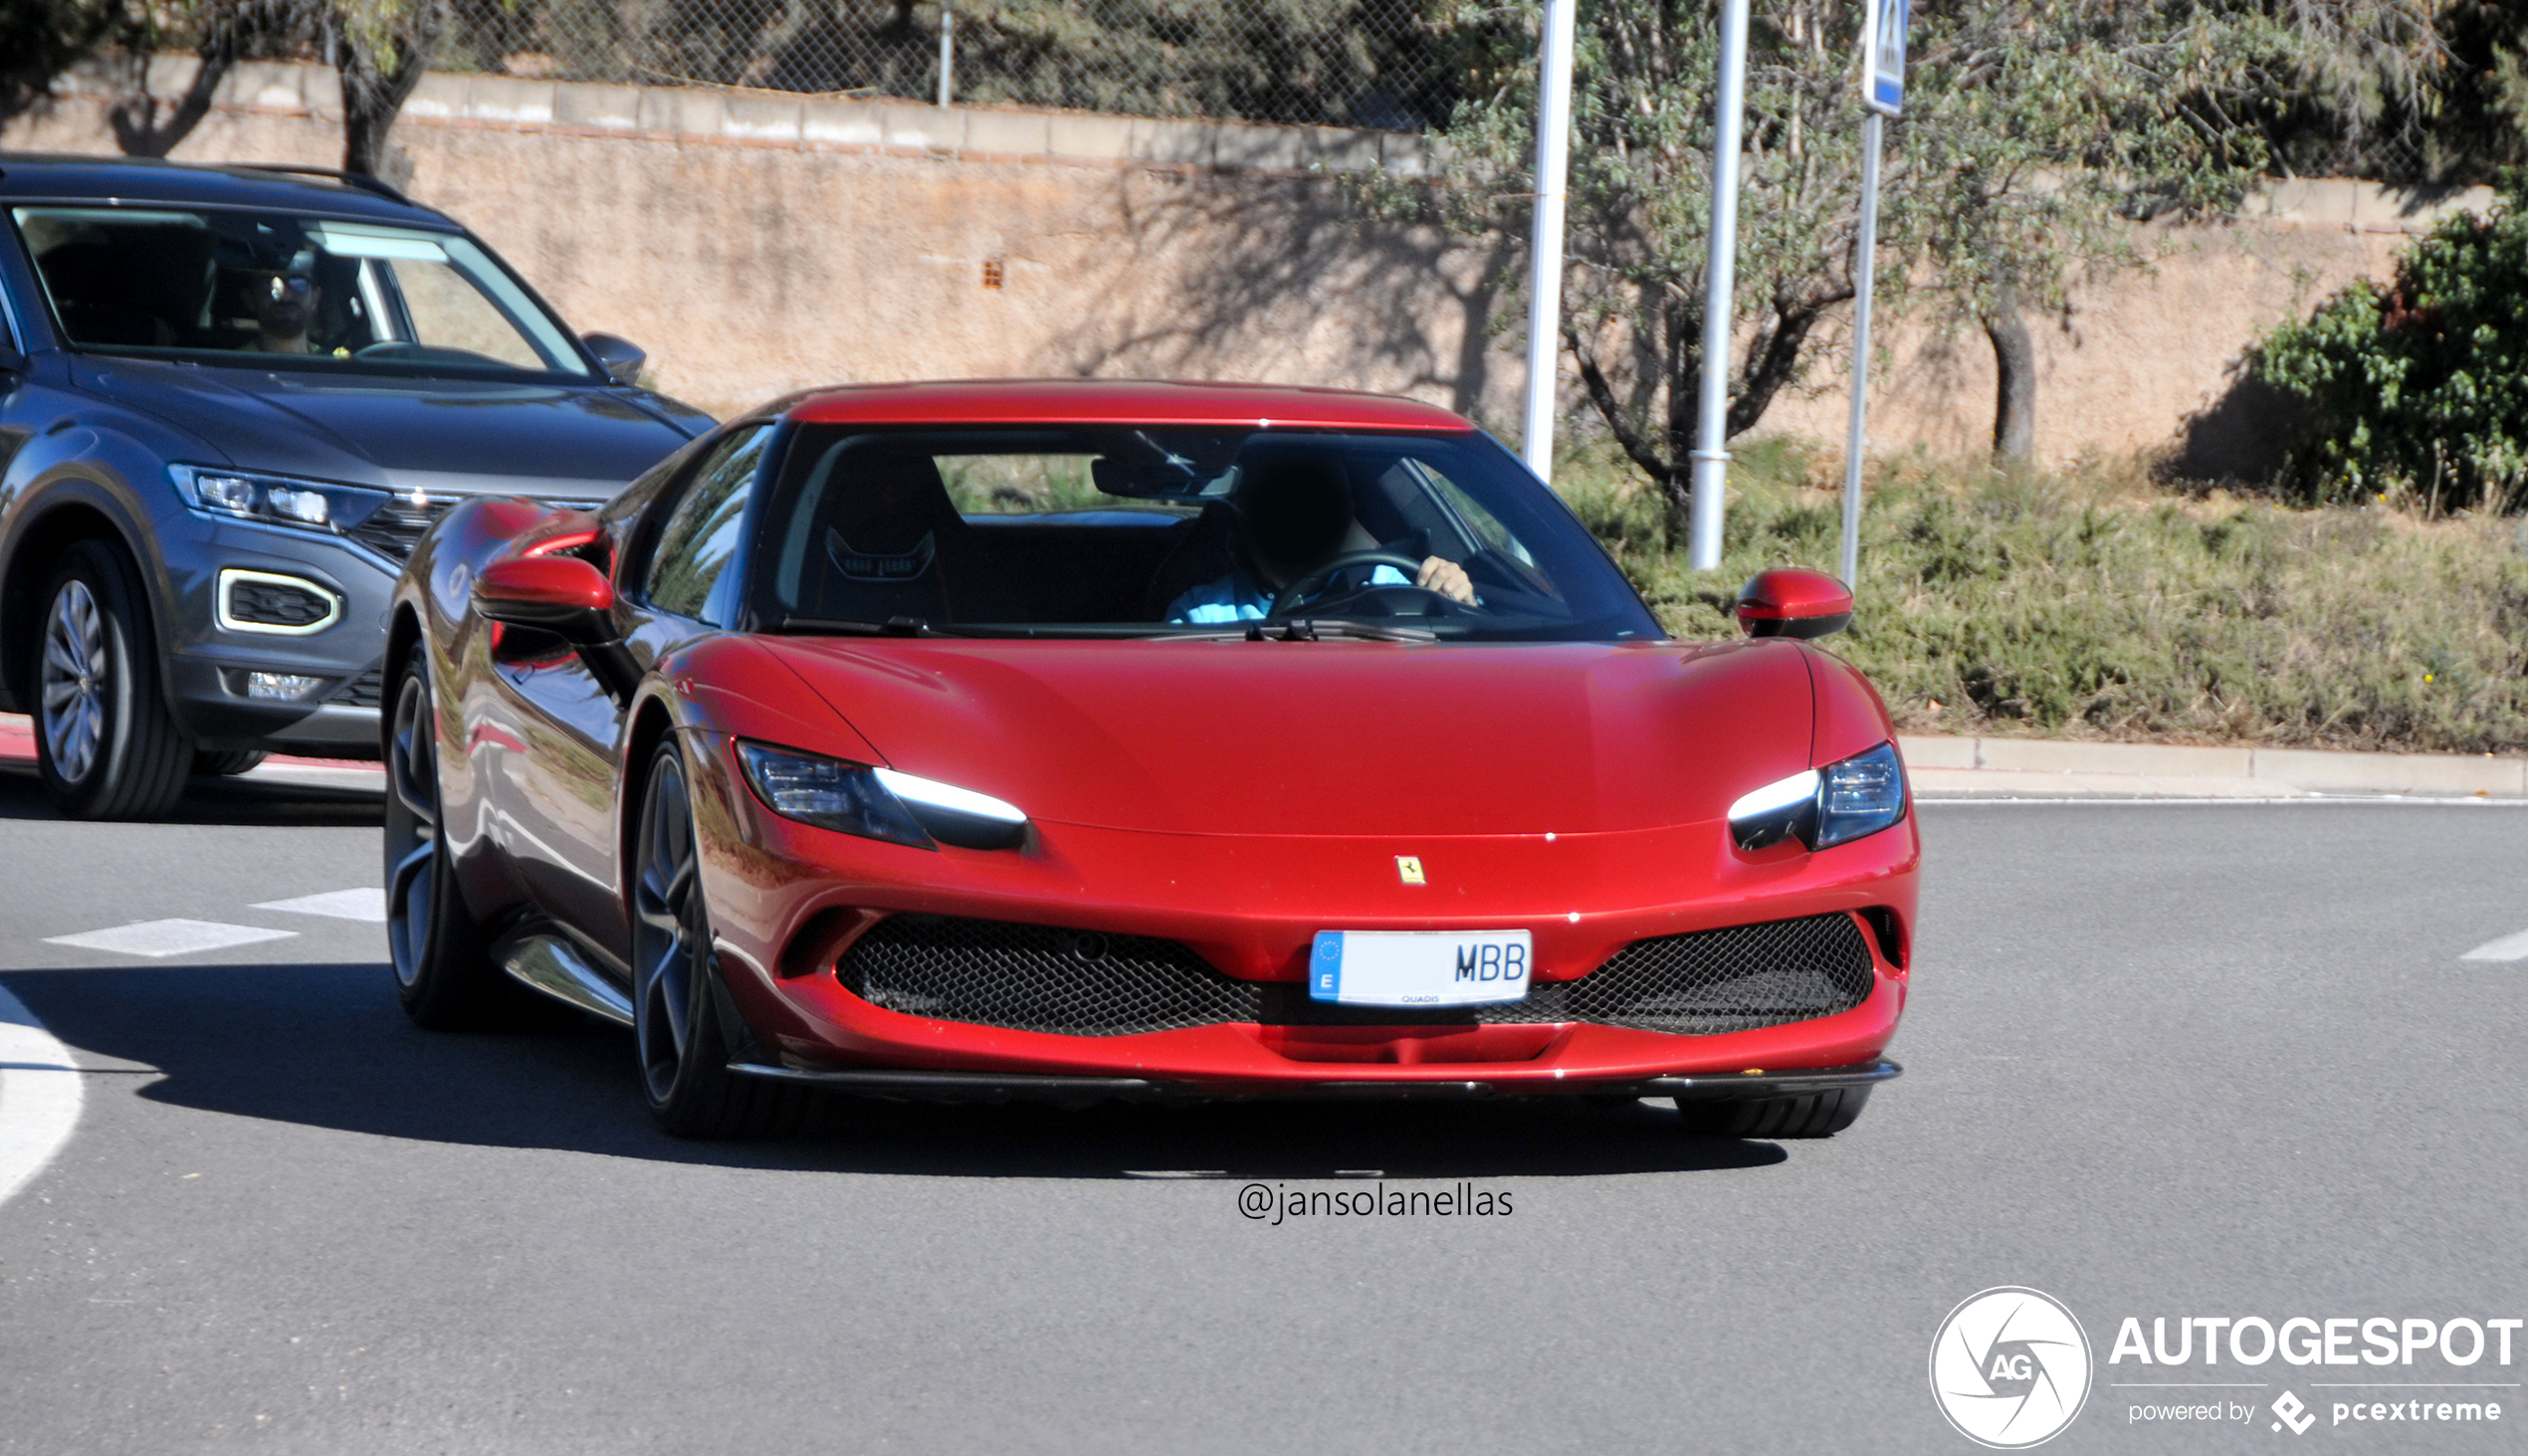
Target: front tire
[
  {"x": 1810, "y": 1114},
  {"x": 443, "y": 975},
  {"x": 105, "y": 743},
  {"x": 223, "y": 763},
  {"x": 678, "y": 1025}
]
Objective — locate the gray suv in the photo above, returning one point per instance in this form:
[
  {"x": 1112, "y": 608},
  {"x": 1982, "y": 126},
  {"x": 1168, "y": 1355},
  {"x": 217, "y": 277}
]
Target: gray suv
[{"x": 230, "y": 400}]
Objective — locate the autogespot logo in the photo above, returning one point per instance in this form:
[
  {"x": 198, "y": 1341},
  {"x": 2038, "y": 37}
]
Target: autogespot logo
[{"x": 2009, "y": 1367}]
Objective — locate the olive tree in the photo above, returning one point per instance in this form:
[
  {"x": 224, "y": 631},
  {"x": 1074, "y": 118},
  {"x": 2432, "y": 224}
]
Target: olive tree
[
  {"x": 380, "y": 48},
  {"x": 220, "y": 33},
  {"x": 2035, "y": 136}
]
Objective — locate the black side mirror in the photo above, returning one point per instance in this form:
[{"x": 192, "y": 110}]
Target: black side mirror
[{"x": 621, "y": 358}]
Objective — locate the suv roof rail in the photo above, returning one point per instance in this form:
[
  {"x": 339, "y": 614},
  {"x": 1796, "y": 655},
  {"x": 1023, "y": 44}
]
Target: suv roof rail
[{"x": 362, "y": 180}]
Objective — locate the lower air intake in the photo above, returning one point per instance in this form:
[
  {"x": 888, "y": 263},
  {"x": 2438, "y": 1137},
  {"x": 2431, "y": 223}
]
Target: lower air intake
[
  {"x": 1735, "y": 979},
  {"x": 1038, "y": 977},
  {"x": 264, "y": 602},
  {"x": 1082, "y": 983}
]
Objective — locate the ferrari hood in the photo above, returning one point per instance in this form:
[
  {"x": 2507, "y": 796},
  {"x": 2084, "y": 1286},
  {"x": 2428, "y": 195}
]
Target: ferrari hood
[{"x": 1329, "y": 738}]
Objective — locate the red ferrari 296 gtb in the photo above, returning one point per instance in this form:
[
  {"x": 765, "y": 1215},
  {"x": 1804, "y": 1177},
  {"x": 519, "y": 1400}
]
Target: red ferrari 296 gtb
[{"x": 1081, "y": 739}]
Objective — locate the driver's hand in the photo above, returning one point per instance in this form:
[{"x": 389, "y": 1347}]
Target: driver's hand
[{"x": 1446, "y": 578}]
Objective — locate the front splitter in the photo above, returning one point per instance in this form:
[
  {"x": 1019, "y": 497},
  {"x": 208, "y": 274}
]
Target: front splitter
[{"x": 919, "y": 1086}]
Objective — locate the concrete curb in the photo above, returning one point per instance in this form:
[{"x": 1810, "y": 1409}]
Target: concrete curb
[{"x": 2157, "y": 770}]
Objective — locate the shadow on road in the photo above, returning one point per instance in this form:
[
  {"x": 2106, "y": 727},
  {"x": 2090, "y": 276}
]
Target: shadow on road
[
  {"x": 223, "y": 802},
  {"x": 325, "y": 1046}
]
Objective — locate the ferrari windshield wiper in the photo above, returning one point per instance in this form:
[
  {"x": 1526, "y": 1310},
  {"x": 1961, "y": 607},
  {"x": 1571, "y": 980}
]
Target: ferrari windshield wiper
[
  {"x": 1292, "y": 629},
  {"x": 846, "y": 627},
  {"x": 1309, "y": 629}
]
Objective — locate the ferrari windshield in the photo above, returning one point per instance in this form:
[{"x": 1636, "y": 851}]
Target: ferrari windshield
[
  {"x": 1150, "y": 531},
  {"x": 276, "y": 291}
]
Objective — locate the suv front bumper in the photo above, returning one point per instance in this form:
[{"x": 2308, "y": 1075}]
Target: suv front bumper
[{"x": 213, "y": 653}]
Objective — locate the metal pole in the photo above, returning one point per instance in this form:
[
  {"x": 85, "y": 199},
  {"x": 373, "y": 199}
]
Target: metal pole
[
  {"x": 1865, "y": 269},
  {"x": 948, "y": 56},
  {"x": 1545, "y": 241},
  {"x": 1711, "y": 458}
]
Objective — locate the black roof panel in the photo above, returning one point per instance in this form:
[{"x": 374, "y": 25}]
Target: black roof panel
[{"x": 30, "y": 175}]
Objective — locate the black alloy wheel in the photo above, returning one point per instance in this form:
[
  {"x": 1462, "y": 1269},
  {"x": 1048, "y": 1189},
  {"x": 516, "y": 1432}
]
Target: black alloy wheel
[
  {"x": 443, "y": 975},
  {"x": 105, "y": 743},
  {"x": 679, "y": 1027}
]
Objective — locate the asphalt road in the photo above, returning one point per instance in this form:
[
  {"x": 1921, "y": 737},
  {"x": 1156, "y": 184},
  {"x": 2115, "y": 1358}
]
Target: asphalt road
[{"x": 2162, "y": 1061}]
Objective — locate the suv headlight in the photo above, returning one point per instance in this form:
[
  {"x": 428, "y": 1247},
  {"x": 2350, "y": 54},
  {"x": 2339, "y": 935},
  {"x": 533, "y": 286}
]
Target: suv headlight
[
  {"x": 878, "y": 803},
  {"x": 1836, "y": 804},
  {"x": 274, "y": 499}
]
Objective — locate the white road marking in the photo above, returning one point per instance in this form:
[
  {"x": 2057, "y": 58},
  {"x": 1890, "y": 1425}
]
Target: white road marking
[
  {"x": 38, "y": 1094},
  {"x": 366, "y": 903},
  {"x": 169, "y": 938},
  {"x": 2508, "y": 948}
]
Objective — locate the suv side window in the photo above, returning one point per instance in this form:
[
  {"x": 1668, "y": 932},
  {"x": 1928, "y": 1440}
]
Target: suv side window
[{"x": 688, "y": 571}]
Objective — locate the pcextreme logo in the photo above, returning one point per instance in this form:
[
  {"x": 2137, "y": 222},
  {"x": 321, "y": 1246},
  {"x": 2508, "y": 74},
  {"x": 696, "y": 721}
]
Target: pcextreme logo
[{"x": 2010, "y": 1367}]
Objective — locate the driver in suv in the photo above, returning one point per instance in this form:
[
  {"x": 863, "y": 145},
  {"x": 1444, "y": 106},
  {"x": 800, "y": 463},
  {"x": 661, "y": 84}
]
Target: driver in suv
[{"x": 1294, "y": 519}]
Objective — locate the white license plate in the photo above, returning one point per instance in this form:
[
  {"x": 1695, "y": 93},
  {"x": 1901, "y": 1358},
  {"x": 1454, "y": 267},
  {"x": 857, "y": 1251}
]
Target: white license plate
[{"x": 1419, "y": 968}]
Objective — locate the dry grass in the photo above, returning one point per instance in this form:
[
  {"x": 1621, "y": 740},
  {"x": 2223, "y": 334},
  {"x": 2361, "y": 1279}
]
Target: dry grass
[{"x": 2088, "y": 602}]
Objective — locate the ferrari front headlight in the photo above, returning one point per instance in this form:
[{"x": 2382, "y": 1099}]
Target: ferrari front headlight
[
  {"x": 878, "y": 803},
  {"x": 1861, "y": 796},
  {"x": 1836, "y": 804}
]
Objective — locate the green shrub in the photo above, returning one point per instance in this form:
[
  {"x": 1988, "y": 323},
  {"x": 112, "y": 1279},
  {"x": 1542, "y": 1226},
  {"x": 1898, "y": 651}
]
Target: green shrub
[
  {"x": 2419, "y": 393},
  {"x": 2086, "y": 602}
]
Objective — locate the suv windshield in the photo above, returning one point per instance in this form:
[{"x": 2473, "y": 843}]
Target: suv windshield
[
  {"x": 1146, "y": 531},
  {"x": 262, "y": 288}
]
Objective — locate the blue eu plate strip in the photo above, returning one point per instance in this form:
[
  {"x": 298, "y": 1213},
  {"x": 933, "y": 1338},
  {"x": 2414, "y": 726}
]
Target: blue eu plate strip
[{"x": 1325, "y": 967}]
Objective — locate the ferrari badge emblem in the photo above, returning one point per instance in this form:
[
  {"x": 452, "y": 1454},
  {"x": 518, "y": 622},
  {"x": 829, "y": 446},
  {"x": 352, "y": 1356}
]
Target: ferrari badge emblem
[{"x": 1409, "y": 868}]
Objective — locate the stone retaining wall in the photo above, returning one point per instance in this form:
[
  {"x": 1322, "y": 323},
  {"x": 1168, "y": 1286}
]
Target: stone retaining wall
[{"x": 760, "y": 242}]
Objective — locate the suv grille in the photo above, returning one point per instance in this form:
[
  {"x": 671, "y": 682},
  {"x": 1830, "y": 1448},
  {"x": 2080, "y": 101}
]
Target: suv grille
[
  {"x": 368, "y": 689},
  {"x": 397, "y": 525},
  {"x": 1043, "y": 978}
]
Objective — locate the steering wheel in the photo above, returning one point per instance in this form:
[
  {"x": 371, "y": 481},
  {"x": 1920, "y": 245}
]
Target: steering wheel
[
  {"x": 1308, "y": 581},
  {"x": 388, "y": 349}
]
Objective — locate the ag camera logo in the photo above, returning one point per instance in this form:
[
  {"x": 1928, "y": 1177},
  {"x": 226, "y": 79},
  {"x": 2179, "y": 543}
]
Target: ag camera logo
[{"x": 2009, "y": 1367}]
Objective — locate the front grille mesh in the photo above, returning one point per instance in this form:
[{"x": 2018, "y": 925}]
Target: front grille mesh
[
  {"x": 1735, "y": 979},
  {"x": 1038, "y": 977},
  {"x": 1081, "y": 983}
]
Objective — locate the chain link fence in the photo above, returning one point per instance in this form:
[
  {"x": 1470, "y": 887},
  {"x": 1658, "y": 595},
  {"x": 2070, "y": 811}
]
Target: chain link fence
[{"x": 1383, "y": 64}]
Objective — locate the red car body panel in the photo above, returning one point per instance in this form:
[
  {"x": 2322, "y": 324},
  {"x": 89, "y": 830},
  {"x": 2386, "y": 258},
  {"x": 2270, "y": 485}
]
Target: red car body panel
[
  {"x": 1330, "y": 737},
  {"x": 1235, "y": 796}
]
